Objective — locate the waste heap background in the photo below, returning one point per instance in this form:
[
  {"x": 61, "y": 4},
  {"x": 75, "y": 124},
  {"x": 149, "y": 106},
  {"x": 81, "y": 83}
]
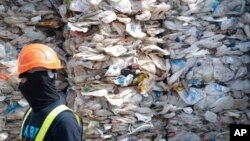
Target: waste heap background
[{"x": 135, "y": 69}]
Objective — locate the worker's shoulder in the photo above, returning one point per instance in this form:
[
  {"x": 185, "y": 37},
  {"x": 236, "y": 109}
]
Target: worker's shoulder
[
  {"x": 65, "y": 115},
  {"x": 65, "y": 118}
]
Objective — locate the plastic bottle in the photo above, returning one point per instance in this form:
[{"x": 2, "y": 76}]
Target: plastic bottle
[
  {"x": 214, "y": 4},
  {"x": 207, "y": 70},
  {"x": 232, "y": 60},
  {"x": 204, "y": 103},
  {"x": 221, "y": 73},
  {"x": 210, "y": 116},
  {"x": 139, "y": 79},
  {"x": 124, "y": 80},
  {"x": 228, "y": 23},
  {"x": 219, "y": 9},
  {"x": 193, "y": 95},
  {"x": 216, "y": 89},
  {"x": 177, "y": 64},
  {"x": 100, "y": 93},
  {"x": 113, "y": 70}
]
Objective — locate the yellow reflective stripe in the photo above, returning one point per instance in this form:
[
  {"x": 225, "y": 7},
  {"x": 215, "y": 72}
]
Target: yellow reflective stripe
[
  {"x": 77, "y": 118},
  {"x": 24, "y": 119},
  {"x": 49, "y": 119}
]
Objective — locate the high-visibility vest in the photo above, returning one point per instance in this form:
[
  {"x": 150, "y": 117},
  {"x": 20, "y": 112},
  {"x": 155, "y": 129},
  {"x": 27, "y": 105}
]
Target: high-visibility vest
[{"x": 48, "y": 121}]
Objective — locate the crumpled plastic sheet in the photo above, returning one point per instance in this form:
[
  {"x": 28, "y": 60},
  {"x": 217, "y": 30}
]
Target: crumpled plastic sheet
[
  {"x": 139, "y": 70},
  {"x": 23, "y": 22}
]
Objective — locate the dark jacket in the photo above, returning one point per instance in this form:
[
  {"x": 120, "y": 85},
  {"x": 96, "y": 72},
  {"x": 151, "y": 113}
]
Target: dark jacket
[{"x": 64, "y": 128}]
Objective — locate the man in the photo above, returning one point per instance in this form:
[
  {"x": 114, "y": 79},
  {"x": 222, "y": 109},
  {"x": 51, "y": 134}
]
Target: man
[{"x": 48, "y": 119}]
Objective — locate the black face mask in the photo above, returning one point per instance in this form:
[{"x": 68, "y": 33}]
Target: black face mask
[{"x": 39, "y": 89}]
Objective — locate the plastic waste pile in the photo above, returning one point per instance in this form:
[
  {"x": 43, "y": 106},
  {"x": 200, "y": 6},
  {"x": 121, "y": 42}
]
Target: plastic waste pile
[
  {"x": 155, "y": 69},
  {"x": 22, "y": 22},
  {"x": 138, "y": 69}
]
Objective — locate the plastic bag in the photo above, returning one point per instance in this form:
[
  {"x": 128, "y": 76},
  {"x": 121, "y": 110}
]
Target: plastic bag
[
  {"x": 108, "y": 16},
  {"x": 225, "y": 102},
  {"x": 228, "y": 23},
  {"x": 147, "y": 64},
  {"x": 134, "y": 29},
  {"x": 113, "y": 70},
  {"x": 192, "y": 96},
  {"x": 159, "y": 11},
  {"x": 211, "y": 117},
  {"x": 145, "y": 16},
  {"x": 15, "y": 20},
  {"x": 80, "y": 5},
  {"x": 221, "y": 73},
  {"x": 123, "y": 6},
  {"x": 239, "y": 84},
  {"x": 219, "y": 10},
  {"x": 159, "y": 62},
  {"x": 216, "y": 89},
  {"x": 94, "y": 2},
  {"x": 115, "y": 51}
]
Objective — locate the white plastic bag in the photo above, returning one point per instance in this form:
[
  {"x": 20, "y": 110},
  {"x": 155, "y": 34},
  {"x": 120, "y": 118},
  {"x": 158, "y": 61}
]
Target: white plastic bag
[
  {"x": 145, "y": 16},
  {"x": 115, "y": 51},
  {"x": 123, "y": 6},
  {"x": 216, "y": 89},
  {"x": 135, "y": 30},
  {"x": 151, "y": 48},
  {"x": 159, "y": 62},
  {"x": 94, "y": 2},
  {"x": 80, "y": 5},
  {"x": 146, "y": 63},
  {"x": 106, "y": 16},
  {"x": 113, "y": 70}
]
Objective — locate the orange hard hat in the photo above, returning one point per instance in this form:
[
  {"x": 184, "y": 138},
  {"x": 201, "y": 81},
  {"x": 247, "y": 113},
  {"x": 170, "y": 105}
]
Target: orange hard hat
[{"x": 37, "y": 56}]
